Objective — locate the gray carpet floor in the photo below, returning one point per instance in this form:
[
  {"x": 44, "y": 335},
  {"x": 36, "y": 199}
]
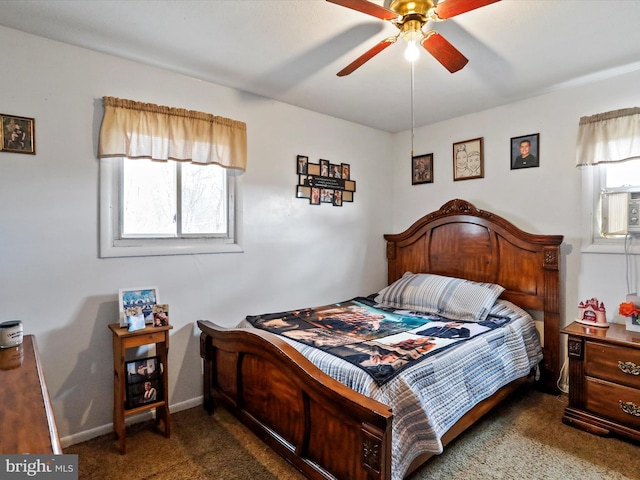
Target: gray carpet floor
[{"x": 523, "y": 438}]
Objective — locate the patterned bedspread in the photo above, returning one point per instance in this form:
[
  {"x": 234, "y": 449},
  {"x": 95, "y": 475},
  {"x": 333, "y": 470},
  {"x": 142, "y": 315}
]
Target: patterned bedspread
[
  {"x": 382, "y": 341},
  {"x": 429, "y": 397}
]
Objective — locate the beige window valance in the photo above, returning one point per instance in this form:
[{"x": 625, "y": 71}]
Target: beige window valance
[
  {"x": 609, "y": 137},
  {"x": 143, "y": 130}
]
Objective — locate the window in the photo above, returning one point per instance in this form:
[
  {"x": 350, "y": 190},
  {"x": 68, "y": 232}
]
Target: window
[
  {"x": 618, "y": 193},
  {"x": 608, "y": 147},
  {"x": 184, "y": 202},
  {"x": 166, "y": 208}
]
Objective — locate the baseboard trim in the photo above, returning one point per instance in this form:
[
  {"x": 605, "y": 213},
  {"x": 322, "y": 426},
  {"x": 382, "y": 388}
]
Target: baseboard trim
[{"x": 108, "y": 428}]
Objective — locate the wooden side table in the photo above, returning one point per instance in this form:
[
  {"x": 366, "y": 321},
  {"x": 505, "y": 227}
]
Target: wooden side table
[
  {"x": 123, "y": 340},
  {"x": 604, "y": 380}
]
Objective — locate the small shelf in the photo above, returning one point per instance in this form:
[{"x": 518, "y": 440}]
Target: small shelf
[{"x": 123, "y": 340}]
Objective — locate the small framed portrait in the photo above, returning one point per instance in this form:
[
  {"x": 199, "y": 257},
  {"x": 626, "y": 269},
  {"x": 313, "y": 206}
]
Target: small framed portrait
[
  {"x": 468, "y": 159},
  {"x": 324, "y": 168},
  {"x": 143, "y": 297},
  {"x": 144, "y": 382},
  {"x": 326, "y": 195},
  {"x": 337, "y": 198},
  {"x": 633, "y": 323},
  {"x": 346, "y": 171},
  {"x": 315, "y": 196},
  {"x": 160, "y": 315},
  {"x": 302, "y": 165},
  {"x": 18, "y": 134},
  {"x": 422, "y": 169},
  {"x": 525, "y": 151}
]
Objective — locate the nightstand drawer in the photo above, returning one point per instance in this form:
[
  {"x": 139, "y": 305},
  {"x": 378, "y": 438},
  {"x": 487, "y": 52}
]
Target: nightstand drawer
[
  {"x": 615, "y": 402},
  {"x": 612, "y": 362}
]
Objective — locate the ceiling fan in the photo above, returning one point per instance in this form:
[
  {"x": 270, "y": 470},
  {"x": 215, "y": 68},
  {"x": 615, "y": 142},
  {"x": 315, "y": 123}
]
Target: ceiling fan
[{"x": 410, "y": 16}]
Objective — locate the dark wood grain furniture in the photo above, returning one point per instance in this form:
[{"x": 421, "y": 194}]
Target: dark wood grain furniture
[
  {"x": 123, "y": 340},
  {"x": 604, "y": 380},
  {"x": 329, "y": 431},
  {"x": 26, "y": 417}
]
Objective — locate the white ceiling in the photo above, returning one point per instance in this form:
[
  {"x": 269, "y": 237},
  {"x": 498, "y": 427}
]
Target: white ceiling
[{"x": 291, "y": 50}]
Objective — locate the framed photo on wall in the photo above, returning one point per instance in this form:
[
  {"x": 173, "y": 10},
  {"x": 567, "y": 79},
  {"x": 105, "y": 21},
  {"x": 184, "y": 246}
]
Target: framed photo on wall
[
  {"x": 302, "y": 163},
  {"x": 468, "y": 159},
  {"x": 525, "y": 151},
  {"x": 18, "y": 134},
  {"x": 422, "y": 169}
]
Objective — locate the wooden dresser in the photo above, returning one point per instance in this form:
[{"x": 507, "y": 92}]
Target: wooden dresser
[
  {"x": 26, "y": 416},
  {"x": 604, "y": 380}
]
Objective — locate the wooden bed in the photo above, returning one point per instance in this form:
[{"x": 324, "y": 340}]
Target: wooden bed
[{"x": 328, "y": 430}]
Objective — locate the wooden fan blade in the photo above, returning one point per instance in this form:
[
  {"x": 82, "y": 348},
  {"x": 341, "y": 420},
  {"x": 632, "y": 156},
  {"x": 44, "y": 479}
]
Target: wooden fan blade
[
  {"x": 367, "y": 7},
  {"x": 448, "y": 55},
  {"x": 366, "y": 56},
  {"x": 451, "y": 8}
]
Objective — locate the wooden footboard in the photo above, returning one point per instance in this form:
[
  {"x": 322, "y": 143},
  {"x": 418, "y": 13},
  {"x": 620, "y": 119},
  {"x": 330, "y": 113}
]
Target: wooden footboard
[{"x": 322, "y": 427}]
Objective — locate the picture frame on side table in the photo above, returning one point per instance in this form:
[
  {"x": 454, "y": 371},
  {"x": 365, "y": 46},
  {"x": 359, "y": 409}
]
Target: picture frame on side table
[
  {"x": 144, "y": 381},
  {"x": 525, "y": 151},
  {"x": 422, "y": 169},
  {"x": 143, "y": 297},
  {"x": 633, "y": 323},
  {"x": 18, "y": 134},
  {"x": 468, "y": 159}
]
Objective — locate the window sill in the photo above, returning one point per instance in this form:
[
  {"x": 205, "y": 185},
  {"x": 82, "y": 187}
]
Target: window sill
[
  {"x": 132, "y": 248},
  {"x": 612, "y": 248}
]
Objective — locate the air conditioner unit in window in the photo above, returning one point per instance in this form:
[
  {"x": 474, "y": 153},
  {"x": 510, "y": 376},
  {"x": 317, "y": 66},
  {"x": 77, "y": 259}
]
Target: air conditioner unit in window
[{"x": 620, "y": 211}]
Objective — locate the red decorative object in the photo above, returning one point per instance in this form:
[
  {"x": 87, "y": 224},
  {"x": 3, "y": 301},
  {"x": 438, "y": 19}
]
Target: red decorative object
[
  {"x": 628, "y": 309},
  {"x": 592, "y": 312}
]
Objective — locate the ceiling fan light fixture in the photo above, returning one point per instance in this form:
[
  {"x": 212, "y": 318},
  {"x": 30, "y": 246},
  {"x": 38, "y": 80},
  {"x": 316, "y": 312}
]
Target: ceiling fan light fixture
[
  {"x": 413, "y": 36},
  {"x": 412, "y": 52}
]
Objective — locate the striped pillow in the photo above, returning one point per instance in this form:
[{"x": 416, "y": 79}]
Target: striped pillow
[{"x": 452, "y": 298}]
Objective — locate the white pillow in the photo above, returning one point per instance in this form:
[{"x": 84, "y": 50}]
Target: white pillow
[{"x": 452, "y": 298}]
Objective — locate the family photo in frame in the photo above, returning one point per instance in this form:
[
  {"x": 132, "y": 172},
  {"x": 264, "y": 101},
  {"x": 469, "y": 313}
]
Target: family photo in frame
[
  {"x": 422, "y": 169},
  {"x": 144, "y": 383},
  {"x": 130, "y": 298},
  {"x": 525, "y": 151},
  {"x": 468, "y": 159}
]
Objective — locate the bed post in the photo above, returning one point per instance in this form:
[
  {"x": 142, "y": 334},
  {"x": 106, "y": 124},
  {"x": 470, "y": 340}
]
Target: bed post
[
  {"x": 551, "y": 349},
  {"x": 206, "y": 352}
]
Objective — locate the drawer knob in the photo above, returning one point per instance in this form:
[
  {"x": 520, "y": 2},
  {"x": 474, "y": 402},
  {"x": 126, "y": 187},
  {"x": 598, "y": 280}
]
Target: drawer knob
[
  {"x": 630, "y": 408},
  {"x": 629, "y": 367}
]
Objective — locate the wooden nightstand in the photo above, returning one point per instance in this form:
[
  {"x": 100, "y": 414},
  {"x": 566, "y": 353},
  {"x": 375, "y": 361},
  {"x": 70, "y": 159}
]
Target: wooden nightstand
[
  {"x": 122, "y": 340},
  {"x": 604, "y": 380}
]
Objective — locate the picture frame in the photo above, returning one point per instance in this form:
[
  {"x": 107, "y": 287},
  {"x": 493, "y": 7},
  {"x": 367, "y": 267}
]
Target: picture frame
[
  {"x": 160, "y": 315},
  {"x": 324, "y": 168},
  {"x": 346, "y": 171},
  {"x": 143, "y": 382},
  {"x": 633, "y": 323},
  {"x": 468, "y": 159},
  {"x": 18, "y": 134},
  {"x": 143, "y": 297},
  {"x": 302, "y": 165},
  {"x": 422, "y": 169},
  {"x": 525, "y": 151}
]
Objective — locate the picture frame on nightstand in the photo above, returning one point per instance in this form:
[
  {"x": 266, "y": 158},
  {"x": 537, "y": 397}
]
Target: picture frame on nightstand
[{"x": 633, "y": 323}]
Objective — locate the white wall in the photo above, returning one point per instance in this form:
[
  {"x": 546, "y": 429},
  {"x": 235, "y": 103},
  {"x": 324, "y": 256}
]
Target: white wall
[
  {"x": 52, "y": 279},
  {"x": 544, "y": 200}
]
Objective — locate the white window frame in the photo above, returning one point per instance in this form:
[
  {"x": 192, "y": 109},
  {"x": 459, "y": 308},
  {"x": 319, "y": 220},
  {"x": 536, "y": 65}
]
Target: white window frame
[
  {"x": 593, "y": 179},
  {"x": 112, "y": 245}
]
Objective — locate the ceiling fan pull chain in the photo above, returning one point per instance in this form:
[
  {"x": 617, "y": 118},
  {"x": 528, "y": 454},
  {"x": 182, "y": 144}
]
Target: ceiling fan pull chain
[{"x": 412, "y": 115}]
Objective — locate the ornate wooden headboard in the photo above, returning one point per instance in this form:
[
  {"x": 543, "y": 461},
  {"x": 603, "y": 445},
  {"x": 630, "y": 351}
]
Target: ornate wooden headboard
[{"x": 460, "y": 240}]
